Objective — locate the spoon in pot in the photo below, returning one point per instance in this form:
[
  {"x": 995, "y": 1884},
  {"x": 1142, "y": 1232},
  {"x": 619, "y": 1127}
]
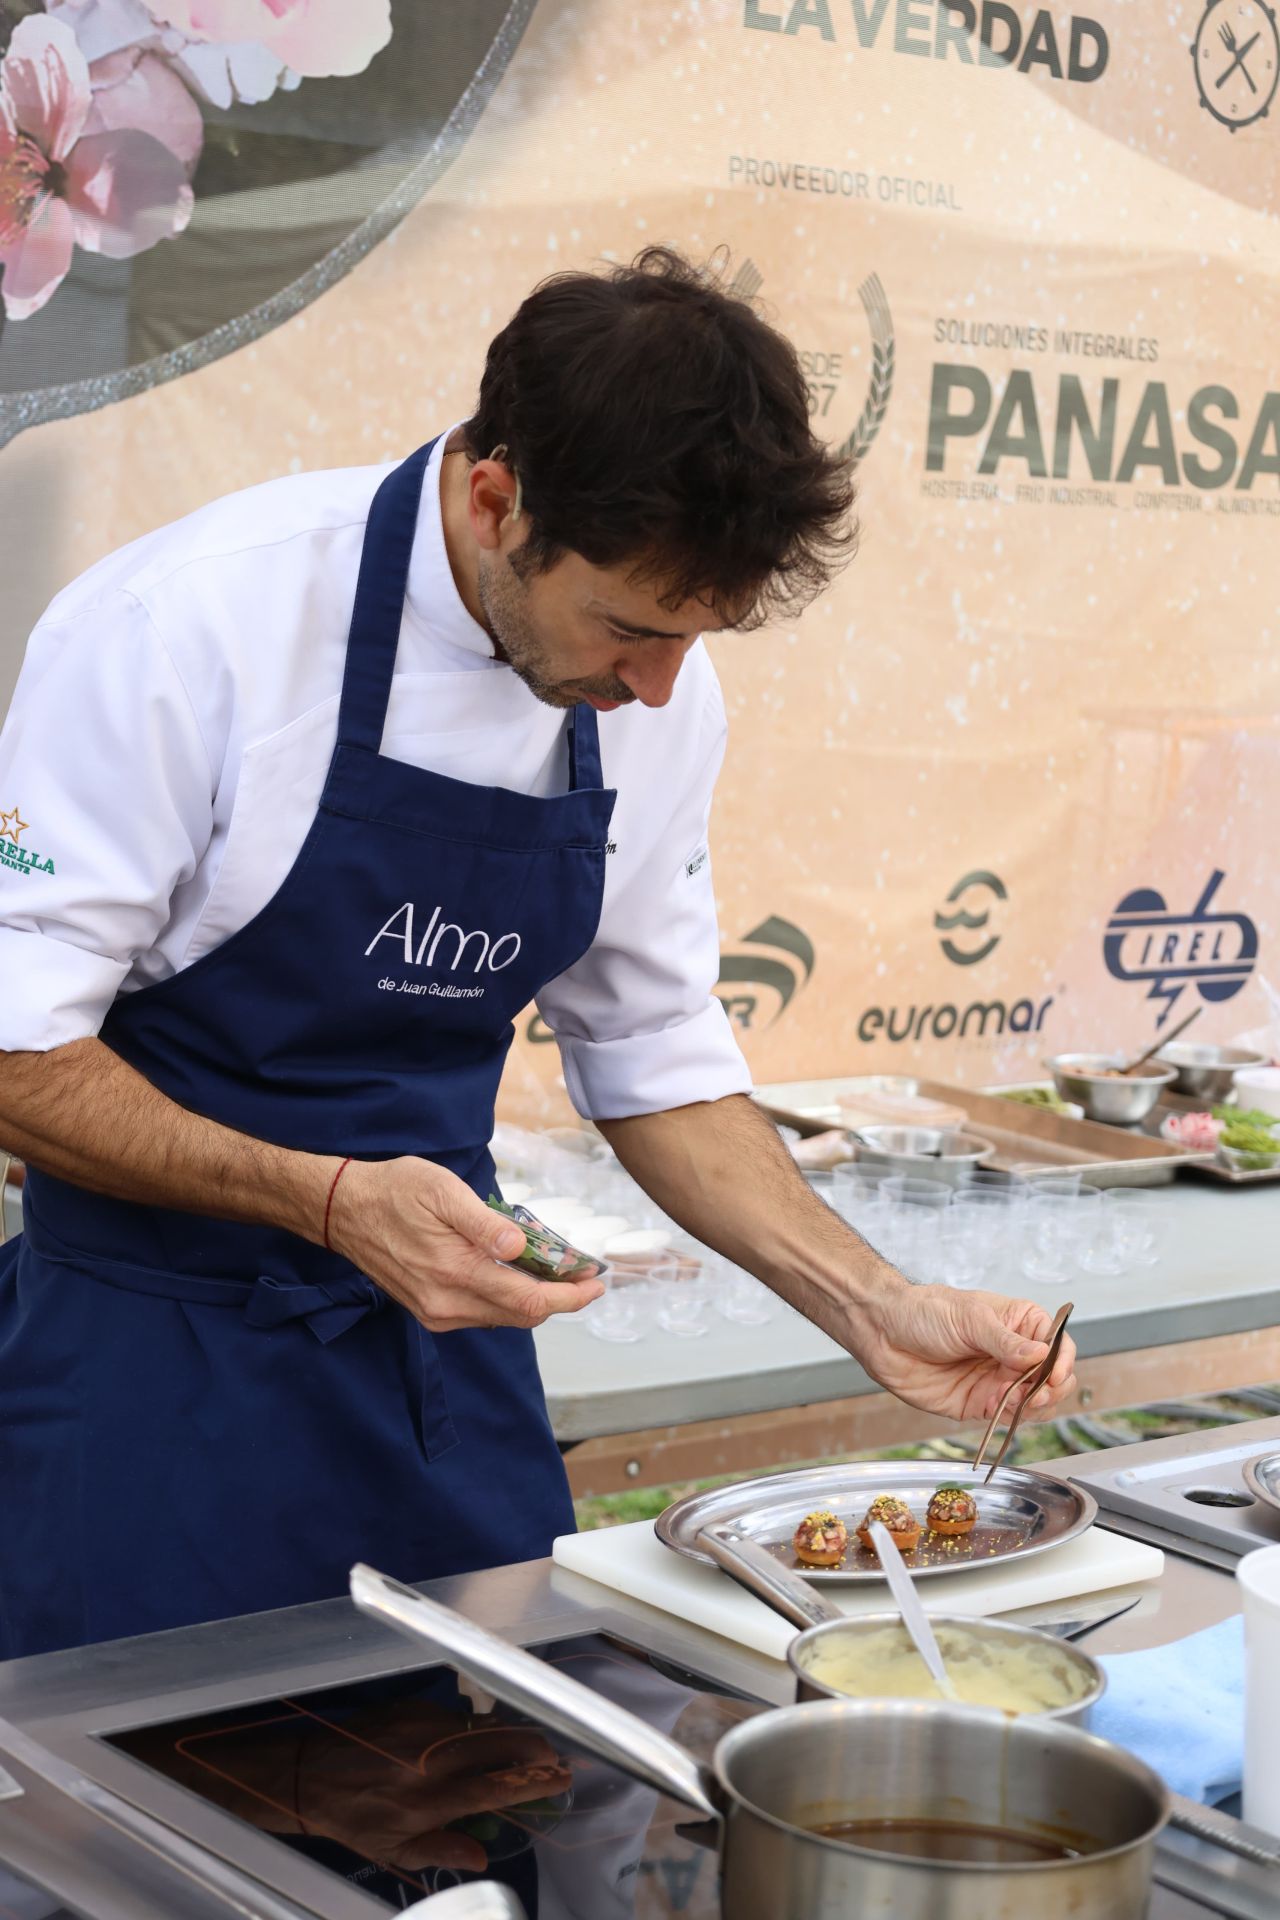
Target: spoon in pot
[{"x": 914, "y": 1617}]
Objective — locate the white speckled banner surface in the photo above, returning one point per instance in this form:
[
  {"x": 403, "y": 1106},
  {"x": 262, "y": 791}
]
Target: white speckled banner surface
[{"x": 1011, "y": 787}]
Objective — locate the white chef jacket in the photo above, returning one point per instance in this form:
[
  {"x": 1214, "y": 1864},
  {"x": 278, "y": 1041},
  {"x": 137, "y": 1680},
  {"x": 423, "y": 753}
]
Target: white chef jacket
[{"x": 168, "y": 741}]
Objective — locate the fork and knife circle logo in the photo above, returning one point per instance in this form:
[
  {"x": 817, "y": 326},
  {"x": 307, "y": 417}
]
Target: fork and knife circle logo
[{"x": 1236, "y": 55}]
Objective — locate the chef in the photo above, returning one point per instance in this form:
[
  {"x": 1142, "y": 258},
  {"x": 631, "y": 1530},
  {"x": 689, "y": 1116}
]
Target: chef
[{"x": 302, "y": 800}]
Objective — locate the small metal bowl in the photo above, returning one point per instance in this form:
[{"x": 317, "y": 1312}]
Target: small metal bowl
[
  {"x": 936, "y": 1153},
  {"x": 1206, "y": 1073},
  {"x": 1122, "y": 1103},
  {"x": 1091, "y": 1677}
]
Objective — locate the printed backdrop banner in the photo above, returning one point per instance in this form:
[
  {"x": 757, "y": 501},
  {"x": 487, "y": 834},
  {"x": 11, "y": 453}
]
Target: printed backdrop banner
[{"x": 1012, "y": 785}]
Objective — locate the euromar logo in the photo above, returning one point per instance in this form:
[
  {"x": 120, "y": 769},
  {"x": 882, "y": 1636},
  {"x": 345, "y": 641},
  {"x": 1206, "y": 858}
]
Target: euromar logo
[
  {"x": 1236, "y": 60},
  {"x": 15, "y": 856},
  {"x": 747, "y": 282},
  {"x": 963, "y": 921},
  {"x": 1214, "y": 952},
  {"x": 965, "y": 941}
]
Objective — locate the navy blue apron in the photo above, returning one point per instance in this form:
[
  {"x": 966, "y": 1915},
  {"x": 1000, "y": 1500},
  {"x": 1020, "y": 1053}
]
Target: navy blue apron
[{"x": 200, "y": 1418}]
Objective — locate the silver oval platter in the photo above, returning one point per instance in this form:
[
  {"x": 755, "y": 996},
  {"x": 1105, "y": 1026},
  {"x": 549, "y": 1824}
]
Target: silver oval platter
[
  {"x": 1261, "y": 1476},
  {"x": 1019, "y": 1513}
]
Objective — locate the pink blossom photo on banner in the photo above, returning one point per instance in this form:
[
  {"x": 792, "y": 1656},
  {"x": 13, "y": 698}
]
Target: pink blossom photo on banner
[{"x": 177, "y": 177}]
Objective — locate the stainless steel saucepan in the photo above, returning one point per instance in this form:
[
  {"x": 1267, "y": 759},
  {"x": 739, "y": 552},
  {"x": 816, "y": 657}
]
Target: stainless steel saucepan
[
  {"x": 824, "y": 1627},
  {"x": 778, "y": 1778}
]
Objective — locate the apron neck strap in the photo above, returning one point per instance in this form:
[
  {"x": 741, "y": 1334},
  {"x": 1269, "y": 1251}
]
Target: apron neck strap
[
  {"x": 374, "y": 639},
  {"x": 584, "y": 749},
  {"x": 381, "y": 586}
]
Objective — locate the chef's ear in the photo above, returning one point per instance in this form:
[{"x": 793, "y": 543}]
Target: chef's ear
[{"x": 497, "y": 497}]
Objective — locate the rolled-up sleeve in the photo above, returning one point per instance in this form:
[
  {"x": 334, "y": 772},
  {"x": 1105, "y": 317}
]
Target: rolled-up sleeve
[
  {"x": 637, "y": 1022},
  {"x": 105, "y": 809}
]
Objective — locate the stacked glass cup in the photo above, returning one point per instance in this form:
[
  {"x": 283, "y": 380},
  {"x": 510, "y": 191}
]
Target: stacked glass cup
[{"x": 997, "y": 1229}]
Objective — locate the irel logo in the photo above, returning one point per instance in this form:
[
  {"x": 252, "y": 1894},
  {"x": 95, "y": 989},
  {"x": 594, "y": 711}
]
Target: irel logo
[
  {"x": 422, "y": 951},
  {"x": 1213, "y": 951}
]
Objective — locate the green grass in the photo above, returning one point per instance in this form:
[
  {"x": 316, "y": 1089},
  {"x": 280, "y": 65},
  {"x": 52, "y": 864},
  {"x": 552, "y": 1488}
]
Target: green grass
[
  {"x": 1045, "y": 1442},
  {"x": 646, "y": 1503}
]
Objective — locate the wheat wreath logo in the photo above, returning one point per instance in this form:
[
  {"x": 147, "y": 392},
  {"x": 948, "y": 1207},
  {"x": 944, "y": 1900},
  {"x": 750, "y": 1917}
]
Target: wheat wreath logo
[
  {"x": 747, "y": 282},
  {"x": 871, "y": 419}
]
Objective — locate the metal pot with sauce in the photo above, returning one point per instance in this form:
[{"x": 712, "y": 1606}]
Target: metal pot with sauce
[
  {"x": 888, "y": 1809},
  {"x": 1010, "y": 1669}
]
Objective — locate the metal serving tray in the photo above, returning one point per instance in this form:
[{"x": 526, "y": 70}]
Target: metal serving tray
[
  {"x": 1170, "y": 1103},
  {"x": 1019, "y": 1513},
  {"x": 1207, "y": 1164},
  {"x": 1028, "y": 1140}
]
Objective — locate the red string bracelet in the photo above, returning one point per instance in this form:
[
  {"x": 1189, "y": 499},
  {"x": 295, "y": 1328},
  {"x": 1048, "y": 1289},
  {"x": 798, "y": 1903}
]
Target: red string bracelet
[{"x": 333, "y": 1188}]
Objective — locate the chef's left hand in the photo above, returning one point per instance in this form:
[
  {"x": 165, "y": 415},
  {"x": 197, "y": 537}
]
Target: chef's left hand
[{"x": 954, "y": 1352}]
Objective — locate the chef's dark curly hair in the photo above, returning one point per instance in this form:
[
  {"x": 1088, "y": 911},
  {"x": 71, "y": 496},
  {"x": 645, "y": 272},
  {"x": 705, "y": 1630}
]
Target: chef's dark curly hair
[{"x": 653, "y": 417}]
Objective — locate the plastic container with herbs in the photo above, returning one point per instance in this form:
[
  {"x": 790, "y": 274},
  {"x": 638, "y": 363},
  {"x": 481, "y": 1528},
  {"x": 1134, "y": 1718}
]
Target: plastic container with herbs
[{"x": 547, "y": 1255}]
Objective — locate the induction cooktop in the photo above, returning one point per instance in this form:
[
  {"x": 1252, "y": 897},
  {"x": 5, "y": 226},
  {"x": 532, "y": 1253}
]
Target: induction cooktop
[{"x": 413, "y": 1784}]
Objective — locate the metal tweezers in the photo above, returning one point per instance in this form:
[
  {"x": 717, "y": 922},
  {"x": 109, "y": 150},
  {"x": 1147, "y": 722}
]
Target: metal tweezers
[{"x": 1032, "y": 1380}]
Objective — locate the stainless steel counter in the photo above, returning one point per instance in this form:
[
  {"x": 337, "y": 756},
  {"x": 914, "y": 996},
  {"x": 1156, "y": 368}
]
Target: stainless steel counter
[{"x": 71, "y": 1703}]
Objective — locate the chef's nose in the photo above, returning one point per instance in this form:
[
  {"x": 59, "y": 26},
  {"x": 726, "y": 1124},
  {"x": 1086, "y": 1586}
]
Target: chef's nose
[{"x": 651, "y": 670}]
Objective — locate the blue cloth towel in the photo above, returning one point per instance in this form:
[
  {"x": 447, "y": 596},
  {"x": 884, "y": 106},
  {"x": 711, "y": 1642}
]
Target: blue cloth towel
[{"x": 1181, "y": 1709}]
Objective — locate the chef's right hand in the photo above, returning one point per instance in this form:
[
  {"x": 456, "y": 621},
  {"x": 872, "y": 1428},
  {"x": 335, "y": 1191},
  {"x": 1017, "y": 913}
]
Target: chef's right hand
[{"x": 420, "y": 1233}]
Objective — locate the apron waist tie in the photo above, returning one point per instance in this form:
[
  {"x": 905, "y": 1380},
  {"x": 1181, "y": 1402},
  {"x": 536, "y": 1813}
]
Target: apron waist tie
[{"x": 329, "y": 1308}]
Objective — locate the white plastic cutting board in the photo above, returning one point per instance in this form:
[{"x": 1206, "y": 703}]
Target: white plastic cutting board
[{"x": 634, "y": 1561}]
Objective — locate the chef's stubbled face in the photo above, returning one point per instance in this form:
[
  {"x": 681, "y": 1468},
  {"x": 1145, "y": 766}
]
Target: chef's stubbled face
[{"x": 581, "y": 633}]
